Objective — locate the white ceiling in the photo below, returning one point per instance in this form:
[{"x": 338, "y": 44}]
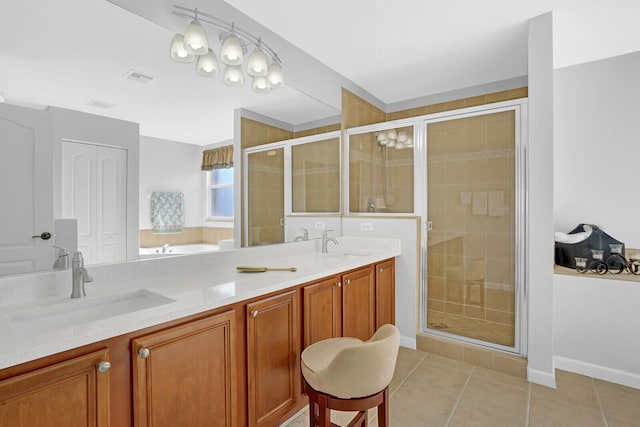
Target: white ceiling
[{"x": 68, "y": 53}]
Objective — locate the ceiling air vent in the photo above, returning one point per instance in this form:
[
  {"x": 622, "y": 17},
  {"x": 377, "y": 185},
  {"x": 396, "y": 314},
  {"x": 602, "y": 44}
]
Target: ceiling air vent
[
  {"x": 99, "y": 104},
  {"x": 139, "y": 77}
]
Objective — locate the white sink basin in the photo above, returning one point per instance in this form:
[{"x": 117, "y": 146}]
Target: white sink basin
[
  {"x": 337, "y": 257},
  {"x": 73, "y": 312}
]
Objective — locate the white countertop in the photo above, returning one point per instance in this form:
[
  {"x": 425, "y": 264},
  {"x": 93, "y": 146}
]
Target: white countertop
[{"x": 196, "y": 283}]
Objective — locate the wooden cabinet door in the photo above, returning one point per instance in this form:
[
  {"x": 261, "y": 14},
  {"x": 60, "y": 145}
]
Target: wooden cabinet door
[
  {"x": 358, "y": 304},
  {"x": 273, "y": 357},
  {"x": 184, "y": 376},
  {"x": 70, "y": 393},
  {"x": 385, "y": 293},
  {"x": 322, "y": 310}
]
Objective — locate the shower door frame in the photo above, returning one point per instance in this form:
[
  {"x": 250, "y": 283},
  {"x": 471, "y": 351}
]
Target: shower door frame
[
  {"x": 287, "y": 146},
  {"x": 519, "y": 106}
]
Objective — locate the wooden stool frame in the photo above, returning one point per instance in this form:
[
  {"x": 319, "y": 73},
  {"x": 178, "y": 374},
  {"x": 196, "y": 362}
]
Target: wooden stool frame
[{"x": 320, "y": 405}]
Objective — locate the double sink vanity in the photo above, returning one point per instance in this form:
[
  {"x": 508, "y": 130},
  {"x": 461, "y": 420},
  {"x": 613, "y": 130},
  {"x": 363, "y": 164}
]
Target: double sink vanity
[{"x": 188, "y": 339}]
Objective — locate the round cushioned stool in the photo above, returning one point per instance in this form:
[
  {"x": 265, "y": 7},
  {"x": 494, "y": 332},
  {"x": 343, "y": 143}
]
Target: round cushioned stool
[{"x": 347, "y": 374}]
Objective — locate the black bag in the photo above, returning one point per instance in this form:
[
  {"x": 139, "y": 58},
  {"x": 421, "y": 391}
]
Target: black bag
[{"x": 566, "y": 253}]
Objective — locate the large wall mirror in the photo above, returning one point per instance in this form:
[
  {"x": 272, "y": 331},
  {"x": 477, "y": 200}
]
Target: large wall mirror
[{"x": 188, "y": 109}]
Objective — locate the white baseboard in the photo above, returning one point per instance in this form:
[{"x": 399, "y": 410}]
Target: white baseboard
[
  {"x": 628, "y": 379},
  {"x": 408, "y": 342},
  {"x": 547, "y": 379}
]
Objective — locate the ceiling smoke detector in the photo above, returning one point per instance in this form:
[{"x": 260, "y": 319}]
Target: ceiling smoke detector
[{"x": 139, "y": 77}]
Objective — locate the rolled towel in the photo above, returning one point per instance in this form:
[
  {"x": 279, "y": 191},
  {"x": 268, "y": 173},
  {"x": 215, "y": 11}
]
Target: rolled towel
[{"x": 479, "y": 203}]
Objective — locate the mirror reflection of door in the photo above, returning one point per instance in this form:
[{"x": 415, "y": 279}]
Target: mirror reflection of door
[
  {"x": 94, "y": 180},
  {"x": 265, "y": 186},
  {"x": 27, "y": 190}
]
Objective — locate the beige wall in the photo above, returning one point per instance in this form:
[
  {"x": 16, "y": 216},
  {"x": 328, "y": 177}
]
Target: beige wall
[{"x": 150, "y": 239}]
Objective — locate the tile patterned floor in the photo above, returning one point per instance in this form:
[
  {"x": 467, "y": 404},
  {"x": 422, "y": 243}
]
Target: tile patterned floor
[{"x": 428, "y": 390}]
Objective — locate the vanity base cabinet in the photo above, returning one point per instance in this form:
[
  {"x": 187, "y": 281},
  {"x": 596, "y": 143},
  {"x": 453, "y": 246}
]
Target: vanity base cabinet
[
  {"x": 358, "y": 304},
  {"x": 186, "y": 375},
  {"x": 322, "y": 308},
  {"x": 273, "y": 358},
  {"x": 73, "y": 392},
  {"x": 355, "y": 304}
]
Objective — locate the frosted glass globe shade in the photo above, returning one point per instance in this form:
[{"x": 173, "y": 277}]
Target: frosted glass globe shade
[
  {"x": 233, "y": 75},
  {"x": 231, "y": 52},
  {"x": 195, "y": 39},
  {"x": 207, "y": 65},
  {"x": 257, "y": 64},
  {"x": 177, "y": 52},
  {"x": 275, "y": 76},
  {"x": 261, "y": 85}
]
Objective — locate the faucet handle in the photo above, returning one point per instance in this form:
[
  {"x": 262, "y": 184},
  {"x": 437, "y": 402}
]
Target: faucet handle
[{"x": 63, "y": 251}]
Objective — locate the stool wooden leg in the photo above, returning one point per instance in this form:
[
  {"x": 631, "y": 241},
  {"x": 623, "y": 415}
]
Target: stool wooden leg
[
  {"x": 383, "y": 410},
  {"x": 324, "y": 413}
]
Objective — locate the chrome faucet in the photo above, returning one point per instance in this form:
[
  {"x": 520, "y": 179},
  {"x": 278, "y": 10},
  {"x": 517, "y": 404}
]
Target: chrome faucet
[
  {"x": 79, "y": 276},
  {"x": 326, "y": 239},
  {"x": 165, "y": 249},
  {"x": 304, "y": 237}
]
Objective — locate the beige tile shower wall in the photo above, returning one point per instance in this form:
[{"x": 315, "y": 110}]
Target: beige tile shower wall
[
  {"x": 316, "y": 131},
  {"x": 397, "y": 182},
  {"x": 316, "y": 176},
  {"x": 361, "y": 170},
  {"x": 460, "y": 103},
  {"x": 255, "y": 133},
  {"x": 358, "y": 112},
  {"x": 189, "y": 235}
]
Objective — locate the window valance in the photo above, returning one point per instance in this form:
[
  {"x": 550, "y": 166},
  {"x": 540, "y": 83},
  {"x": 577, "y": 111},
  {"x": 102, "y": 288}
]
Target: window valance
[{"x": 217, "y": 158}]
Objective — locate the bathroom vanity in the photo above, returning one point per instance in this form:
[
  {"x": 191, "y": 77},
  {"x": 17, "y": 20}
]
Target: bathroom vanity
[{"x": 212, "y": 344}]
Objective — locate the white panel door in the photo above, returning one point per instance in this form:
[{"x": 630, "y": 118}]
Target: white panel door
[
  {"x": 78, "y": 194},
  {"x": 111, "y": 204},
  {"x": 94, "y": 191},
  {"x": 26, "y": 190}
]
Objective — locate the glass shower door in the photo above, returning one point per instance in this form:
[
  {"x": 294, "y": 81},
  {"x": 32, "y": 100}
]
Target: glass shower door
[
  {"x": 471, "y": 238},
  {"x": 265, "y": 188}
]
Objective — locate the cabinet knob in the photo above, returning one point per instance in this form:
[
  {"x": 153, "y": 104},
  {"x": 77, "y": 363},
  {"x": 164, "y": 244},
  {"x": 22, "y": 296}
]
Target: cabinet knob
[
  {"x": 143, "y": 353},
  {"x": 339, "y": 284},
  {"x": 380, "y": 269},
  {"x": 104, "y": 366},
  {"x": 349, "y": 281},
  {"x": 254, "y": 313}
]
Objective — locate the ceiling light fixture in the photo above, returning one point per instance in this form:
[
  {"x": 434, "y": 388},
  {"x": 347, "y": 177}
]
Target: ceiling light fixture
[
  {"x": 392, "y": 138},
  {"x": 194, "y": 46}
]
